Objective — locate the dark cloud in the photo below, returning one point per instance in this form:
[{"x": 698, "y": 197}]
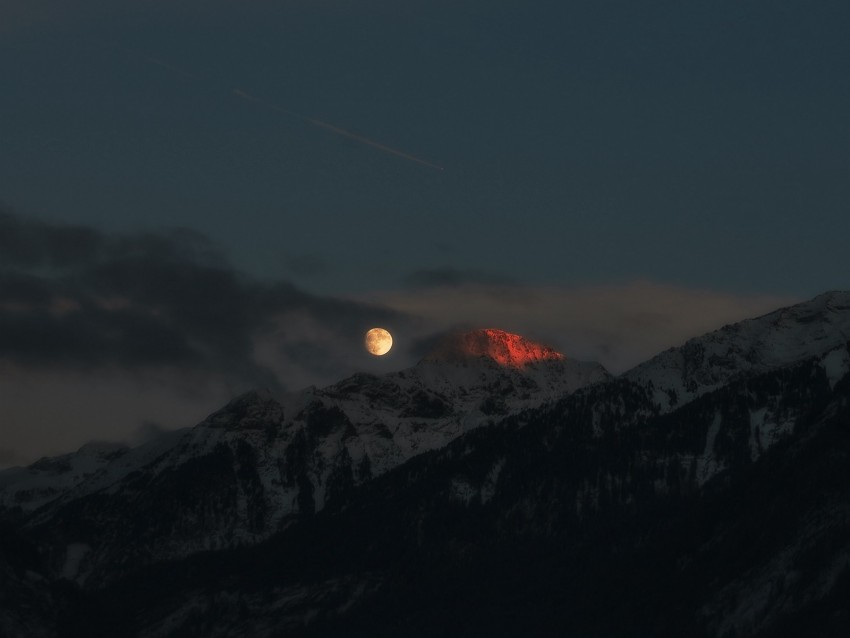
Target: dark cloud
[
  {"x": 453, "y": 277},
  {"x": 75, "y": 296},
  {"x": 35, "y": 245},
  {"x": 89, "y": 336},
  {"x": 153, "y": 328}
]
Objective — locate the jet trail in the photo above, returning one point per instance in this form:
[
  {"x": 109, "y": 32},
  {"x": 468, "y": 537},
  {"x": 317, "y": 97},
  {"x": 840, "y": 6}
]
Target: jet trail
[
  {"x": 335, "y": 129},
  {"x": 244, "y": 95},
  {"x": 373, "y": 143},
  {"x": 269, "y": 105}
]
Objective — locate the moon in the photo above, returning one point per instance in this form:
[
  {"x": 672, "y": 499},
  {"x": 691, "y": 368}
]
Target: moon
[{"x": 378, "y": 341}]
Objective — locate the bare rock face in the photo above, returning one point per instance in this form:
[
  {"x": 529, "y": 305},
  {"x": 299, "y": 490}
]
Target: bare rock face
[{"x": 504, "y": 348}]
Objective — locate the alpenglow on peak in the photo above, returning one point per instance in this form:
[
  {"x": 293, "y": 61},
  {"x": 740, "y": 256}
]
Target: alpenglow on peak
[{"x": 504, "y": 348}]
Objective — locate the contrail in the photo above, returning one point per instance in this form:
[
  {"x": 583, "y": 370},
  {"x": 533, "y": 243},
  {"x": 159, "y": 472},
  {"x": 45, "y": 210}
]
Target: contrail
[
  {"x": 265, "y": 103},
  {"x": 244, "y": 95},
  {"x": 335, "y": 129},
  {"x": 373, "y": 143}
]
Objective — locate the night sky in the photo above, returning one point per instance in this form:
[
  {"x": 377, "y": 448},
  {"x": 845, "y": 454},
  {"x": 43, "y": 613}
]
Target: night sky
[{"x": 199, "y": 198}]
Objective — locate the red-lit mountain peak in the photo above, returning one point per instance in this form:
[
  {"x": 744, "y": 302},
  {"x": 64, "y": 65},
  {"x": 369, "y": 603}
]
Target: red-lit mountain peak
[{"x": 505, "y": 348}]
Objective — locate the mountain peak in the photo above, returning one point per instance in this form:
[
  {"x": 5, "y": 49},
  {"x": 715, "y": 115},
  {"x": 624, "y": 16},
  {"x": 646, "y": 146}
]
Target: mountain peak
[
  {"x": 819, "y": 327},
  {"x": 505, "y": 348}
]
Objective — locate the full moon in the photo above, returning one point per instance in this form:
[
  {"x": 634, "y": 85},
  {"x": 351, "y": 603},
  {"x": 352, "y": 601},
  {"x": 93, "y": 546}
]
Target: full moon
[{"x": 378, "y": 341}]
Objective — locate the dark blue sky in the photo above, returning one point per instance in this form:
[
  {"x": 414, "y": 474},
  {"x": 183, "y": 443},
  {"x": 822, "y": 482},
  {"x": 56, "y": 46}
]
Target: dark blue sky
[
  {"x": 698, "y": 143},
  {"x": 617, "y": 176}
]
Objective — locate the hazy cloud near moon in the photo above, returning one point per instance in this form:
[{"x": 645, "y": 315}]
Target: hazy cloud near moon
[
  {"x": 73, "y": 296},
  {"x": 617, "y": 325}
]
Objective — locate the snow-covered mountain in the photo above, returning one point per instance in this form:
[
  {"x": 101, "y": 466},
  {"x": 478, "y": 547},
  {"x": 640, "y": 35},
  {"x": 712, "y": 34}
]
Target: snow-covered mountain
[
  {"x": 701, "y": 493},
  {"x": 250, "y": 468},
  {"x": 820, "y": 327}
]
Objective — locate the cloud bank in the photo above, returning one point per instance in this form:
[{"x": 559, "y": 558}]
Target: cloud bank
[
  {"x": 100, "y": 333},
  {"x": 117, "y": 337}
]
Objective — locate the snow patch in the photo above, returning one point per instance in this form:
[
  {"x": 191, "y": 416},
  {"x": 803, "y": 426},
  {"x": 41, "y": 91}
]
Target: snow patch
[
  {"x": 772, "y": 431},
  {"x": 707, "y": 463},
  {"x": 781, "y": 338},
  {"x": 488, "y": 488},
  {"x": 74, "y": 555},
  {"x": 836, "y": 365},
  {"x": 757, "y": 418}
]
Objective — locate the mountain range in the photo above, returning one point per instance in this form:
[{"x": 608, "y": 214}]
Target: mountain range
[{"x": 496, "y": 488}]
